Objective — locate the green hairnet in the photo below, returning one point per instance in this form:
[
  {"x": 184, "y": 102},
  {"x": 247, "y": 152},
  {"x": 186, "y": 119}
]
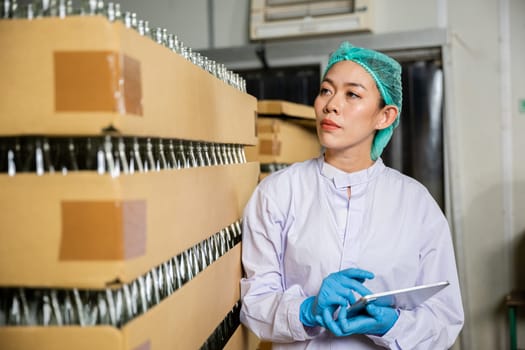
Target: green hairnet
[{"x": 386, "y": 72}]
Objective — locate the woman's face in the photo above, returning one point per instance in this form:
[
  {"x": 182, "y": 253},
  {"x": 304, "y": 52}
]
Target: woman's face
[{"x": 347, "y": 110}]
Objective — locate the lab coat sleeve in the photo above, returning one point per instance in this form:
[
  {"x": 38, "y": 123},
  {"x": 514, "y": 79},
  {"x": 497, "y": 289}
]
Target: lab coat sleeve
[
  {"x": 437, "y": 322},
  {"x": 268, "y": 309}
]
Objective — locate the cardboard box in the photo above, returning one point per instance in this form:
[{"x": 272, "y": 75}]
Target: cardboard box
[
  {"x": 182, "y": 321},
  {"x": 83, "y": 75},
  {"x": 285, "y": 108},
  {"x": 243, "y": 339},
  {"x": 86, "y": 230},
  {"x": 284, "y": 141},
  {"x": 286, "y": 133}
]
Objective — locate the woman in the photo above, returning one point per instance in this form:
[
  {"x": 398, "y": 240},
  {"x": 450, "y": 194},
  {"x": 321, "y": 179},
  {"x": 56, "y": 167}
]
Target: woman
[{"x": 322, "y": 232}]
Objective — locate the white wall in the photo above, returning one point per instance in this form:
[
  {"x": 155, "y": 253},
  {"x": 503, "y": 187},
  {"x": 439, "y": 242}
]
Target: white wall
[
  {"x": 189, "y": 19},
  {"x": 488, "y": 172},
  {"x": 517, "y": 26},
  {"x": 184, "y": 18}
]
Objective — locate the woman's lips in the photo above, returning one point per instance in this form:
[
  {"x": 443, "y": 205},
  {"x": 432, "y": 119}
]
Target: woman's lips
[{"x": 327, "y": 124}]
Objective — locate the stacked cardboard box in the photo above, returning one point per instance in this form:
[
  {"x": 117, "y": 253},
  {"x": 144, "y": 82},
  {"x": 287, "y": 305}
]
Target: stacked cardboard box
[
  {"x": 286, "y": 134},
  {"x": 86, "y": 76}
]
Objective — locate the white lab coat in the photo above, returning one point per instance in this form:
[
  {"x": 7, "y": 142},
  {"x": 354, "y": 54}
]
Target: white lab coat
[{"x": 300, "y": 226}]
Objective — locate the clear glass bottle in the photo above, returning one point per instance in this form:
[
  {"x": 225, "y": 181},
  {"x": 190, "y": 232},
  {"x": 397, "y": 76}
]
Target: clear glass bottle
[
  {"x": 147, "y": 155},
  {"x": 134, "y": 21},
  {"x": 171, "y": 42},
  {"x": 14, "y": 9},
  {"x": 182, "y": 268},
  {"x": 126, "y": 17},
  {"x": 218, "y": 154},
  {"x": 110, "y": 11},
  {"x": 14, "y": 309},
  {"x": 140, "y": 27},
  {"x": 149, "y": 289},
  {"x": 182, "y": 160},
  {"x": 160, "y": 155},
  {"x": 79, "y": 306},
  {"x": 26, "y": 11},
  {"x": 143, "y": 295},
  {"x": 109, "y": 159},
  {"x": 88, "y": 8},
  {"x": 27, "y": 154},
  {"x": 68, "y": 310},
  {"x": 190, "y": 154},
  {"x": 135, "y": 298},
  {"x": 212, "y": 154},
  {"x": 156, "y": 35},
  {"x": 199, "y": 154},
  {"x": 206, "y": 154},
  {"x": 169, "y": 278},
  {"x": 211, "y": 250},
  {"x": 171, "y": 157},
  {"x": 205, "y": 254},
  {"x": 119, "y": 155},
  {"x": 147, "y": 29},
  {"x": 177, "y": 282},
  {"x": 65, "y": 157},
  {"x": 58, "y": 8},
  {"x": 134, "y": 156},
  {"x": 5, "y": 9},
  {"x": 155, "y": 288},
  {"x": 13, "y": 156},
  {"x": 164, "y": 35},
  {"x": 118, "y": 300},
  {"x": 128, "y": 305},
  {"x": 226, "y": 154}
]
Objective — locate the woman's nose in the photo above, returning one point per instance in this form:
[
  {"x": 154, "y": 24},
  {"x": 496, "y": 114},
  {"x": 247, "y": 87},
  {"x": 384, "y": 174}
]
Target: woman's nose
[{"x": 332, "y": 105}]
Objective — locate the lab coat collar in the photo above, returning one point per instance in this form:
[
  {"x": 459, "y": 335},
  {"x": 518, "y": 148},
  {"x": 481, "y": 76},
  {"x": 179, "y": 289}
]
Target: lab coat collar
[{"x": 343, "y": 179}]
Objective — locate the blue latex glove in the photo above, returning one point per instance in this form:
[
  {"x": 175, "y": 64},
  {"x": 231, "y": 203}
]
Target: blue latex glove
[
  {"x": 376, "y": 321},
  {"x": 336, "y": 290}
]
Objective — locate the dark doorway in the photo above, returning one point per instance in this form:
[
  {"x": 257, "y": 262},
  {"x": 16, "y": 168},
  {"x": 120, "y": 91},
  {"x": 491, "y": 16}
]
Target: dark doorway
[{"x": 299, "y": 84}]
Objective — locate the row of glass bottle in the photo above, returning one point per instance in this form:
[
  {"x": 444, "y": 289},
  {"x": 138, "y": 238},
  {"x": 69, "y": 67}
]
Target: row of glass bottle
[
  {"x": 114, "y": 306},
  {"x": 111, "y": 154},
  {"x": 111, "y": 10},
  {"x": 272, "y": 167},
  {"x": 220, "y": 336}
]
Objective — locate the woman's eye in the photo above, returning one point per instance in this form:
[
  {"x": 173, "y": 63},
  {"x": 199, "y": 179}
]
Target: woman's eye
[
  {"x": 350, "y": 94},
  {"x": 324, "y": 91}
]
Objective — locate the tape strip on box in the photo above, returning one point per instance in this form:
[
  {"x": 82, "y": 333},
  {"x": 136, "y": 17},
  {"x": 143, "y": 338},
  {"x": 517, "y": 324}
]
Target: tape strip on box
[
  {"x": 144, "y": 346},
  {"x": 103, "y": 230},
  {"x": 97, "y": 81},
  {"x": 270, "y": 147}
]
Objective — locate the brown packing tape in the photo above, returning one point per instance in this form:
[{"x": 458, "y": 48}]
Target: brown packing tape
[
  {"x": 97, "y": 81},
  {"x": 270, "y": 147},
  {"x": 103, "y": 230},
  {"x": 132, "y": 85},
  {"x": 145, "y": 346}
]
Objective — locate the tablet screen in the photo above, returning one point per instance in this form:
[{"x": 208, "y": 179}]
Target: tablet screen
[{"x": 407, "y": 298}]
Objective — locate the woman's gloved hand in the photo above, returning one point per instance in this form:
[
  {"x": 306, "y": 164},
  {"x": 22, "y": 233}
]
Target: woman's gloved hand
[
  {"x": 376, "y": 321},
  {"x": 336, "y": 290}
]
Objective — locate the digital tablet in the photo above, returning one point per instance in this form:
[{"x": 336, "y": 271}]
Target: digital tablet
[{"x": 407, "y": 298}]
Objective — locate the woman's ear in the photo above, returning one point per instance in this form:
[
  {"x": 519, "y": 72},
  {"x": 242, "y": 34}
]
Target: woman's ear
[{"x": 387, "y": 116}]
